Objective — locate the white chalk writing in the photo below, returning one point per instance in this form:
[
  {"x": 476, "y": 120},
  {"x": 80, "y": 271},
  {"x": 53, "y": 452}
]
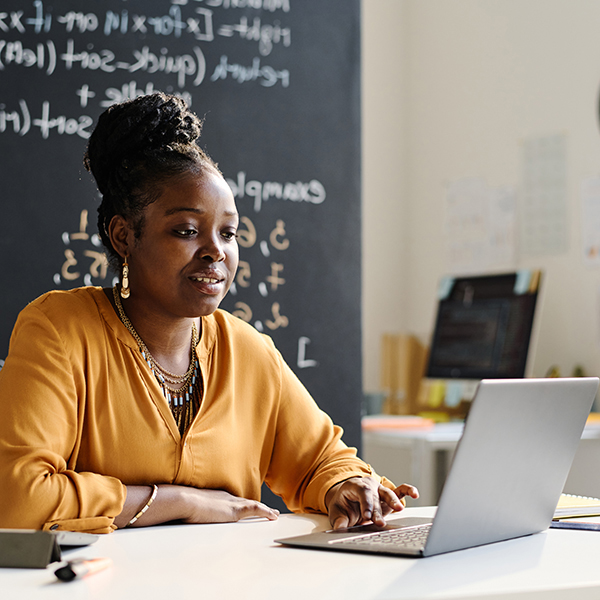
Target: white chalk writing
[
  {"x": 79, "y": 21},
  {"x": 304, "y": 362},
  {"x": 186, "y": 65},
  {"x": 12, "y": 20},
  {"x": 265, "y": 35},
  {"x": 42, "y": 57},
  {"x": 130, "y": 90},
  {"x": 20, "y": 121},
  {"x": 63, "y": 125},
  {"x": 42, "y": 21},
  {"x": 188, "y": 69},
  {"x": 312, "y": 192},
  {"x": 199, "y": 25},
  {"x": 268, "y": 76}
]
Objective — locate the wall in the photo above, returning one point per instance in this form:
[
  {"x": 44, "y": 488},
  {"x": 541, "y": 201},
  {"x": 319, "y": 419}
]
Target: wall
[
  {"x": 473, "y": 81},
  {"x": 383, "y": 142}
]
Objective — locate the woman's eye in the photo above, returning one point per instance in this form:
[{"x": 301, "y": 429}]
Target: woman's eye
[
  {"x": 185, "y": 232},
  {"x": 229, "y": 235}
]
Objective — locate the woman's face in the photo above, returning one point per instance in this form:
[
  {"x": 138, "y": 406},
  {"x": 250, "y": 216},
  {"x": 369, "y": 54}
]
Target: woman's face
[{"x": 185, "y": 260}]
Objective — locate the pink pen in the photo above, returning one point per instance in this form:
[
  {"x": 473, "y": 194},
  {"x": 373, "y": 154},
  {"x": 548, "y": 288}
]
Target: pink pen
[{"x": 80, "y": 567}]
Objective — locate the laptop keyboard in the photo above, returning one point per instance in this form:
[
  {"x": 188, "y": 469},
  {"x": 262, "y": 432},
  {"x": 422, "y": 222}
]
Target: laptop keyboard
[{"x": 408, "y": 537}]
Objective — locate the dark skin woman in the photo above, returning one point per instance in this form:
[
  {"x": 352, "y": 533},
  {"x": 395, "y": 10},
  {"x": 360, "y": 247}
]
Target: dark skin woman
[{"x": 169, "y": 223}]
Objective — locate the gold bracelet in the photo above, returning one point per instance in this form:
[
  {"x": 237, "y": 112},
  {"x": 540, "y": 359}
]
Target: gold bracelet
[{"x": 146, "y": 506}]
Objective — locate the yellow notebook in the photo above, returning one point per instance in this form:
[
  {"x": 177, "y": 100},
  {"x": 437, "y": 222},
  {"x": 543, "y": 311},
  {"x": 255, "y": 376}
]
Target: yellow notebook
[{"x": 570, "y": 506}]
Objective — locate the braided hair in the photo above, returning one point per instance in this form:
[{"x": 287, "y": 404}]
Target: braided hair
[{"x": 136, "y": 148}]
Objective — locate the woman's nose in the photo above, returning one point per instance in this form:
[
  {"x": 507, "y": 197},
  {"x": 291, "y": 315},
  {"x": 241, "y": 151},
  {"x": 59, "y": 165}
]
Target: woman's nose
[{"x": 212, "y": 250}]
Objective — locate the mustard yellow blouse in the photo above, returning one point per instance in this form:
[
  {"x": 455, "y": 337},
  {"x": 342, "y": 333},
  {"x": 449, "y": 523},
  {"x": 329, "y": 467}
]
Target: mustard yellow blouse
[{"x": 82, "y": 416}]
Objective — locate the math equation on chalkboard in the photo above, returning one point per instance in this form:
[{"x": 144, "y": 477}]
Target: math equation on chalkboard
[{"x": 46, "y": 38}]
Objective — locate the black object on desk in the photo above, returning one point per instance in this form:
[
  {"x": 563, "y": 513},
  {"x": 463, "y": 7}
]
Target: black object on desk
[
  {"x": 28, "y": 548},
  {"x": 34, "y": 549}
]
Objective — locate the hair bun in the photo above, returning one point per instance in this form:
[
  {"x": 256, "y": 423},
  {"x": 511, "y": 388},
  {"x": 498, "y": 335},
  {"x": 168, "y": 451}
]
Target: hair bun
[{"x": 138, "y": 130}]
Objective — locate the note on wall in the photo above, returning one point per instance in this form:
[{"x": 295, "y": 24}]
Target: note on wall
[
  {"x": 590, "y": 221},
  {"x": 543, "y": 197},
  {"x": 480, "y": 226}
]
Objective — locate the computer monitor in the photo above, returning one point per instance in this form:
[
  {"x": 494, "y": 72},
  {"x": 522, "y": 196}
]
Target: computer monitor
[{"x": 484, "y": 326}]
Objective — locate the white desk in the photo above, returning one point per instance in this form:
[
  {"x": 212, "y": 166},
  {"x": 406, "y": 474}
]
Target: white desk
[
  {"x": 423, "y": 456},
  {"x": 241, "y": 562}
]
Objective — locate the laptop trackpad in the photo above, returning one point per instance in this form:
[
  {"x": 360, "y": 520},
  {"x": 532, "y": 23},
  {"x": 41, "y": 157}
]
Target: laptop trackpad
[{"x": 399, "y": 523}]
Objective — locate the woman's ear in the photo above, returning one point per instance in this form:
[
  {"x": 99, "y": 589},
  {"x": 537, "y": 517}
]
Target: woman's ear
[{"x": 119, "y": 233}]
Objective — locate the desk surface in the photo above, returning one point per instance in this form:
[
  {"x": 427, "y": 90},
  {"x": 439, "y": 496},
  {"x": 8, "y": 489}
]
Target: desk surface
[{"x": 240, "y": 561}]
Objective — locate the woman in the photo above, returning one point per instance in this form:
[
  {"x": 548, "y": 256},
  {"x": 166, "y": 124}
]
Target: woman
[{"x": 145, "y": 404}]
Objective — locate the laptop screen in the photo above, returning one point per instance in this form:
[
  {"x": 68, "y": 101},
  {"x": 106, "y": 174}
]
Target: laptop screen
[{"x": 483, "y": 326}]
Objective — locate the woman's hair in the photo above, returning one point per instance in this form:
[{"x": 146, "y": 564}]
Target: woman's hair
[{"x": 136, "y": 148}]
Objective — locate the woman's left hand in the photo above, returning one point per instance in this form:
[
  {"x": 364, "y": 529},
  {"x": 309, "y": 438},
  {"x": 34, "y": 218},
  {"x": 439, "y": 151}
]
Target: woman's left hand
[{"x": 359, "y": 500}]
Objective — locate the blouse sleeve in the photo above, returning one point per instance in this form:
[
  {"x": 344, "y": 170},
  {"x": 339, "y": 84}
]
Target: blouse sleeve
[
  {"x": 42, "y": 401},
  {"x": 309, "y": 456}
]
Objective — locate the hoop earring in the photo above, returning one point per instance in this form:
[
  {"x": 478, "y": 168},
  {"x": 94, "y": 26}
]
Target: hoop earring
[{"x": 125, "y": 290}]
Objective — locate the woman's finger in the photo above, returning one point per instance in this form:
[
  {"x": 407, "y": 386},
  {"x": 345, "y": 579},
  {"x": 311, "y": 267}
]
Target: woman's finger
[
  {"x": 407, "y": 490},
  {"x": 390, "y": 501}
]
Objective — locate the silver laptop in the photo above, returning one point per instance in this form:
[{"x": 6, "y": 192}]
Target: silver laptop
[{"x": 506, "y": 477}]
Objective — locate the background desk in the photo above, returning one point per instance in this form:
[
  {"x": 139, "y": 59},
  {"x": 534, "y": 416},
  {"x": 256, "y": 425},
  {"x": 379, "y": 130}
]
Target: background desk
[
  {"x": 240, "y": 561},
  {"x": 423, "y": 456}
]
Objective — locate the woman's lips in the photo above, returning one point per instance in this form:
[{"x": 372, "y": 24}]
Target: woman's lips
[{"x": 208, "y": 284}]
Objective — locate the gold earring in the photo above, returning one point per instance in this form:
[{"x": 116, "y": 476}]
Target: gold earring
[{"x": 125, "y": 291}]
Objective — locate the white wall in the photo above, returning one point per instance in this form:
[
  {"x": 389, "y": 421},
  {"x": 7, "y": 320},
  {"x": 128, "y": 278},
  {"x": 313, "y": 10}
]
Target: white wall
[
  {"x": 383, "y": 142},
  {"x": 451, "y": 89}
]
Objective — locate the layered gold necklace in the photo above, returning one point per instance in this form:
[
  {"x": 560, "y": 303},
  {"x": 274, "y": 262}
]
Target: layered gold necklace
[{"x": 182, "y": 392}]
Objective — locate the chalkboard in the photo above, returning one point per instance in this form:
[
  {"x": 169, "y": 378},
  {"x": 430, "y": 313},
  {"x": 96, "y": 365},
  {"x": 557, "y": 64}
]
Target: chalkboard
[{"x": 277, "y": 82}]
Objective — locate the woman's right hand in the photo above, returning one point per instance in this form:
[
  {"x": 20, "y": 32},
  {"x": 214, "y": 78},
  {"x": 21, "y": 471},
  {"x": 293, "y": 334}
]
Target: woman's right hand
[
  {"x": 189, "y": 505},
  {"x": 217, "y": 506}
]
